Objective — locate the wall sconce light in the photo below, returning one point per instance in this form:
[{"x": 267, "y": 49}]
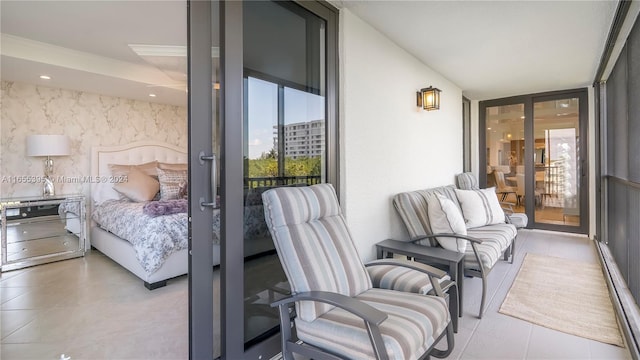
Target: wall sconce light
[
  {"x": 48, "y": 145},
  {"x": 429, "y": 98}
]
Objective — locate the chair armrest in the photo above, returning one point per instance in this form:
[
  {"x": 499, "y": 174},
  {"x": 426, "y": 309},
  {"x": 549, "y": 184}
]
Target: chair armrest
[
  {"x": 361, "y": 309},
  {"x": 423, "y": 268},
  {"x": 458, "y": 236}
]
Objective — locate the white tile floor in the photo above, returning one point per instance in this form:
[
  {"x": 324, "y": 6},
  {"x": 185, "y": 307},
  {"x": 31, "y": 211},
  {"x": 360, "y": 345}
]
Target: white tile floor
[{"x": 91, "y": 308}]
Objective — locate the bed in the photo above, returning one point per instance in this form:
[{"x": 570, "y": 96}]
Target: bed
[
  {"x": 116, "y": 248},
  {"x": 112, "y": 236}
]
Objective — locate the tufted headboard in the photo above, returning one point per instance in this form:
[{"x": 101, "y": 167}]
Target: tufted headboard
[{"x": 129, "y": 154}]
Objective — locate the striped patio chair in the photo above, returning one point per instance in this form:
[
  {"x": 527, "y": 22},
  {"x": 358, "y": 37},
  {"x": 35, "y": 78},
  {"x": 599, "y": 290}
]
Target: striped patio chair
[{"x": 338, "y": 313}]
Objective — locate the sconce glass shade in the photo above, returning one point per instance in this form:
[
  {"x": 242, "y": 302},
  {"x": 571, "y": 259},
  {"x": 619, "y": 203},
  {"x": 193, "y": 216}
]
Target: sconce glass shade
[
  {"x": 429, "y": 98},
  {"x": 48, "y": 145}
]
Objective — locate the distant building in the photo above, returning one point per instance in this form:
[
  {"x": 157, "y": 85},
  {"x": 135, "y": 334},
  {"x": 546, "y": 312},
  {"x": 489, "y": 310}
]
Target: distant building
[{"x": 304, "y": 139}]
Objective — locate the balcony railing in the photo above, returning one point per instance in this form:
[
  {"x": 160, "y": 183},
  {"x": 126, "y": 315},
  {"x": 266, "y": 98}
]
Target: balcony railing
[{"x": 272, "y": 181}]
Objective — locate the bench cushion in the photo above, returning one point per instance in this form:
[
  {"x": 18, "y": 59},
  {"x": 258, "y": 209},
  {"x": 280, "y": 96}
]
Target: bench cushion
[
  {"x": 467, "y": 181},
  {"x": 496, "y": 239}
]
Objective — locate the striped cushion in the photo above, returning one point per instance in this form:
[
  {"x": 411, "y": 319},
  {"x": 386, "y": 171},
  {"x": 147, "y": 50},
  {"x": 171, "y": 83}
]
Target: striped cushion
[
  {"x": 400, "y": 278},
  {"x": 467, "y": 181},
  {"x": 413, "y": 322},
  {"x": 412, "y": 208},
  {"x": 314, "y": 244},
  {"x": 496, "y": 239}
]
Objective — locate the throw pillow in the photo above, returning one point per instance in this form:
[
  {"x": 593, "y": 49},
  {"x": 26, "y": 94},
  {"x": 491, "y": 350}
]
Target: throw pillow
[
  {"x": 171, "y": 182},
  {"x": 173, "y": 166},
  {"x": 445, "y": 217},
  {"x": 121, "y": 170},
  {"x": 139, "y": 186},
  {"x": 480, "y": 207}
]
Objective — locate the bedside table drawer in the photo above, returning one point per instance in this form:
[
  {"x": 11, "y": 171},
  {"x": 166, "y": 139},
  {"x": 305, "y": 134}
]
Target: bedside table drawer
[
  {"x": 24, "y": 250},
  {"x": 50, "y": 226},
  {"x": 32, "y": 212}
]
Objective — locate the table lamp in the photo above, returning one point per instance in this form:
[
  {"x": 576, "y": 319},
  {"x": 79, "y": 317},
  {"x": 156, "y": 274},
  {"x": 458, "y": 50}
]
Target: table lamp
[{"x": 48, "y": 145}]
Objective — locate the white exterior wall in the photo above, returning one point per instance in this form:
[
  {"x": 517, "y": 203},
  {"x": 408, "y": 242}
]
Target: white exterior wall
[{"x": 387, "y": 144}]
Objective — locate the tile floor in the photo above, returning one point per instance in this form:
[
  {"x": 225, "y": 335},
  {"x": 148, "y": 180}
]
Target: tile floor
[
  {"x": 499, "y": 336},
  {"x": 90, "y": 308}
]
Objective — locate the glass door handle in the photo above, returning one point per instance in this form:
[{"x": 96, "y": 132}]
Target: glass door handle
[{"x": 214, "y": 181}]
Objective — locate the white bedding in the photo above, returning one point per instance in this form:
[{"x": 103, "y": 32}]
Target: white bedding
[{"x": 153, "y": 238}]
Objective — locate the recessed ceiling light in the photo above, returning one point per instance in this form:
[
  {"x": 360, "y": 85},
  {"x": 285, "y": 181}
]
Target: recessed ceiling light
[
  {"x": 152, "y": 95},
  {"x": 45, "y": 77},
  {"x": 522, "y": 117},
  {"x": 488, "y": 128}
]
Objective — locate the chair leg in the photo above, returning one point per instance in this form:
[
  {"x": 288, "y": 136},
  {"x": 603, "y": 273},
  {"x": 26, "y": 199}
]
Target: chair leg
[
  {"x": 484, "y": 295},
  {"x": 454, "y": 307},
  {"x": 513, "y": 249},
  {"x": 285, "y": 331},
  {"x": 450, "y": 344},
  {"x": 453, "y": 295}
]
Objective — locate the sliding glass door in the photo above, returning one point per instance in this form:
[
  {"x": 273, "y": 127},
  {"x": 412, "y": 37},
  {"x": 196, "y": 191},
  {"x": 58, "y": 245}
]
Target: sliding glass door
[
  {"x": 534, "y": 148},
  {"x": 559, "y": 162},
  {"x": 284, "y": 137},
  {"x": 262, "y": 115}
]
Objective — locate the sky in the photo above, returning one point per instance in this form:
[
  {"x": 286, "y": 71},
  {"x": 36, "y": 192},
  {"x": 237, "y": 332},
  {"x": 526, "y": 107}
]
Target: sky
[{"x": 262, "y": 100}]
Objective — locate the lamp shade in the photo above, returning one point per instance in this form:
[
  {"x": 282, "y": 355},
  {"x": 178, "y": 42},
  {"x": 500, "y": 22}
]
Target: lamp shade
[{"x": 48, "y": 145}]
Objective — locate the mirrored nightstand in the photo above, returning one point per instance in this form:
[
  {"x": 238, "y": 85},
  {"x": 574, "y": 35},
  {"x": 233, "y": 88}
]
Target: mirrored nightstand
[{"x": 39, "y": 230}]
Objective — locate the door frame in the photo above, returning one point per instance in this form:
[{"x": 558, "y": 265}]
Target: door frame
[
  {"x": 529, "y": 100},
  {"x": 200, "y": 261},
  {"x": 200, "y": 21}
]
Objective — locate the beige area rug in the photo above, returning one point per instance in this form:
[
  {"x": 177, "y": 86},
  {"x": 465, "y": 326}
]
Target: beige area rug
[{"x": 564, "y": 295}]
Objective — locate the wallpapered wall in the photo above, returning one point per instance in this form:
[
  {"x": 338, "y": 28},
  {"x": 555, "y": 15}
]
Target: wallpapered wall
[{"x": 88, "y": 119}]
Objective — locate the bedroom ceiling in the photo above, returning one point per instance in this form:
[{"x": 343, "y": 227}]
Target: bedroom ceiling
[
  {"x": 489, "y": 49},
  {"x": 85, "y": 45}
]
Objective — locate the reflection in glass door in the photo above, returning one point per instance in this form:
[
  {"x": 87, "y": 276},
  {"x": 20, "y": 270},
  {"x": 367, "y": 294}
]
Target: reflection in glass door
[
  {"x": 505, "y": 155},
  {"x": 284, "y": 139},
  {"x": 557, "y": 161}
]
